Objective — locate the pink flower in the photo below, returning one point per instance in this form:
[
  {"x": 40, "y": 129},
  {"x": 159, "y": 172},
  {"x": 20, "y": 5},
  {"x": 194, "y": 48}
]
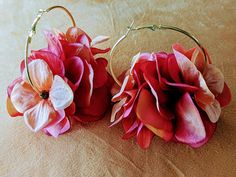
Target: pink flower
[
  {"x": 73, "y": 55},
  {"x": 175, "y": 96},
  {"x": 44, "y": 105}
]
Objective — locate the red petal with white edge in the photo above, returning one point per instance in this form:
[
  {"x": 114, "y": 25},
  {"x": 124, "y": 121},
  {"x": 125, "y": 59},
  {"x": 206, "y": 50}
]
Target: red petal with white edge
[
  {"x": 98, "y": 40},
  {"x": 59, "y": 128},
  {"x": 189, "y": 126},
  {"x": 11, "y": 109},
  {"x": 53, "y": 61},
  {"x": 100, "y": 101},
  {"x": 225, "y": 97},
  {"x": 214, "y": 79},
  {"x": 60, "y": 94},
  {"x": 38, "y": 117},
  {"x": 84, "y": 92},
  {"x": 144, "y": 138},
  {"x": 100, "y": 72},
  {"x": 74, "y": 70},
  {"x": 116, "y": 108},
  {"x": 73, "y": 33},
  {"x": 148, "y": 114},
  {"x": 213, "y": 111},
  {"x": 54, "y": 44},
  {"x": 210, "y": 129},
  {"x": 127, "y": 84}
]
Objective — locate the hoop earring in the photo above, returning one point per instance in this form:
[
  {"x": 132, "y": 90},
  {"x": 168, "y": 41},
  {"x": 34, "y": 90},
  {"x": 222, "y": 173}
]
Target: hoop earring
[
  {"x": 176, "y": 96},
  {"x": 62, "y": 82}
]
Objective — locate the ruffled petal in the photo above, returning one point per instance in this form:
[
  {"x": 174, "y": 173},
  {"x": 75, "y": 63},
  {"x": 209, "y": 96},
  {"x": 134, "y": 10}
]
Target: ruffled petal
[
  {"x": 147, "y": 112},
  {"x": 225, "y": 97},
  {"x": 213, "y": 111},
  {"x": 41, "y": 75},
  {"x": 214, "y": 79},
  {"x": 11, "y": 109},
  {"x": 23, "y": 97},
  {"x": 58, "y": 129},
  {"x": 60, "y": 94},
  {"x": 12, "y": 85},
  {"x": 74, "y": 70},
  {"x": 38, "y": 116},
  {"x": 99, "y": 103},
  {"x": 144, "y": 138},
  {"x": 53, "y": 61},
  {"x": 84, "y": 92},
  {"x": 189, "y": 126},
  {"x": 54, "y": 44}
]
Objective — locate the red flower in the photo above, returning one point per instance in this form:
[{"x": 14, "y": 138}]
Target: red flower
[
  {"x": 72, "y": 56},
  {"x": 175, "y": 96}
]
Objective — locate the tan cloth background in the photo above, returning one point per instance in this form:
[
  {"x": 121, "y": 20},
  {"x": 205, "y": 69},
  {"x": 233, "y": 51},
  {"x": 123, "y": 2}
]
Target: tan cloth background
[{"x": 95, "y": 150}]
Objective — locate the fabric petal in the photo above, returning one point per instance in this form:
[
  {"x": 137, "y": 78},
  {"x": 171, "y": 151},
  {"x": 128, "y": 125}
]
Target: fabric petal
[
  {"x": 54, "y": 44},
  {"x": 12, "y": 85},
  {"x": 74, "y": 70},
  {"x": 214, "y": 79},
  {"x": 225, "y": 97},
  {"x": 100, "y": 72},
  {"x": 38, "y": 116},
  {"x": 84, "y": 92},
  {"x": 147, "y": 112},
  {"x": 60, "y": 94},
  {"x": 98, "y": 40},
  {"x": 213, "y": 111},
  {"x": 11, "y": 109},
  {"x": 144, "y": 138},
  {"x": 41, "y": 75},
  {"x": 23, "y": 97},
  {"x": 189, "y": 126},
  {"x": 58, "y": 129},
  {"x": 53, "y": 61}
]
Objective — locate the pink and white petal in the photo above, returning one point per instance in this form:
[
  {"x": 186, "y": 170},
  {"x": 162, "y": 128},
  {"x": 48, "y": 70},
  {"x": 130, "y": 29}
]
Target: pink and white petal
[
  {"x": 54, "y": 44},
  {"x": 189, "y": 126},
  {"x": 38, "y": 116},
  {"x": 23, "y": 97},
  {"x": 98, "y": 40},
  {"x": 210, "y": 129},
  {"x": 214, "y": 79},
  {"x": 225, "y": 97},
  {"x": 12, "y": 85},
  {"x": 60, "y": 94},
  {"x": 41, "y": 75},
  {"x": 58, "y": 129},
  {"x": 53, "y": 61},
  {"x": 213, "y": 111}
]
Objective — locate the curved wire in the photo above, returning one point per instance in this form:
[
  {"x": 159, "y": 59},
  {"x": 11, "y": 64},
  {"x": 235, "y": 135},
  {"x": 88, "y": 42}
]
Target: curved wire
[
  {"x": 153, "y": 28},
  {"x": 32, "y": 32}
]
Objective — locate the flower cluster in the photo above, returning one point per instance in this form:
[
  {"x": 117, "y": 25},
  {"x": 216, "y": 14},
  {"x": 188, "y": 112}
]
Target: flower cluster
[
  {"x": 68, "y": 80},
  {"x": 177, "y": 96}
]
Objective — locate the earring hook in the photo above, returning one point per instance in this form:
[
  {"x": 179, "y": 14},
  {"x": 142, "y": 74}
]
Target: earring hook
[
  {"x": 32, "y": 32},
  {"x": 153, "y": 28}
]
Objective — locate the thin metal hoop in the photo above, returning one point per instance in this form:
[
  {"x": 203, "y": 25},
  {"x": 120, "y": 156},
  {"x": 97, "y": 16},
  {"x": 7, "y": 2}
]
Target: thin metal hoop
[
  {"x": 32, "y": 32},
  {"x": 153, "y": 28}
]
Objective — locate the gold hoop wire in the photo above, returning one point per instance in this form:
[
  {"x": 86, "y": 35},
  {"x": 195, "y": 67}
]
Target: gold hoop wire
[
  {"x": 32, "y": 32},
  {"x": 153, "y": 28}
]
